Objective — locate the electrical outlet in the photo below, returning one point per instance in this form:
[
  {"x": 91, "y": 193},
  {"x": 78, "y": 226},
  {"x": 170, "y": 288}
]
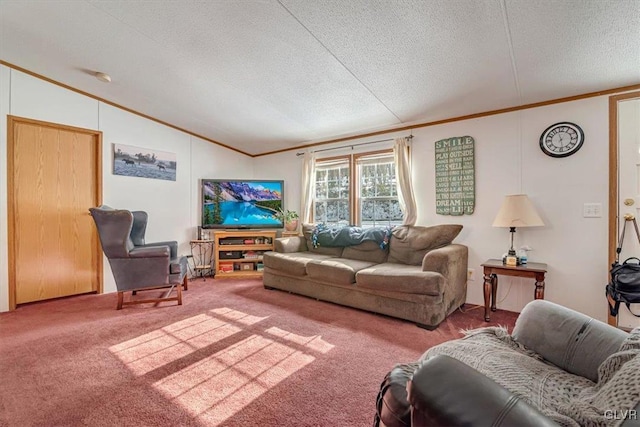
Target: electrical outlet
[{"x": 471, "y": 274}]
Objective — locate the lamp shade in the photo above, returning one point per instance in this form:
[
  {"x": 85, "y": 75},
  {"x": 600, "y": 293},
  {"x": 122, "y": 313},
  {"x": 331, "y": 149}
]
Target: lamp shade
[{"x": 517, "y": 211}]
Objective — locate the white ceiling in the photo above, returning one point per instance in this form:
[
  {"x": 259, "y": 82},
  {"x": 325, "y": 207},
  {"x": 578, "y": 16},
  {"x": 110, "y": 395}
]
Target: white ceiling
[{"x": 264, "y": 75}]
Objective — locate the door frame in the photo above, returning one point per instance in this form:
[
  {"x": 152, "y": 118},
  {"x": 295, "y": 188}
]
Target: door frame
[
  {"x": 11, "y": 237},
  {"x": 613, "y": 180}
]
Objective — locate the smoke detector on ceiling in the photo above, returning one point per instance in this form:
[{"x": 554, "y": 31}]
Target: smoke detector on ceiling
[{"x": 103, "y": 77}]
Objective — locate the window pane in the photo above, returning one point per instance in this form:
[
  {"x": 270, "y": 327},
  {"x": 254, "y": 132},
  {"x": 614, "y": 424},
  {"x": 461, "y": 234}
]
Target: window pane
[
  {"x": 321, "y": 190},
  {"x": 379, "y": 213},
  {"x": 367, "y": 187},
  {"x": 334, "y": 189},
  {"x": 379, "y": 205},
  {"x": 343, "y": 211},
  {"x": 332, "y": 193},
  {"x": 344, "y": 183},
  {"x": 366, "y": 210},
  {"x": 337, "y": 211},
  {"x": 320, "y": 211}
]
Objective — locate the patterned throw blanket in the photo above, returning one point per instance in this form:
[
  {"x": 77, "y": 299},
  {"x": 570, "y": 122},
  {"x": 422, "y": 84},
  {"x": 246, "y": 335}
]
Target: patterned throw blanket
[
  {"x": 567, "y": 399},
  {"x": 349, "y": 236}
]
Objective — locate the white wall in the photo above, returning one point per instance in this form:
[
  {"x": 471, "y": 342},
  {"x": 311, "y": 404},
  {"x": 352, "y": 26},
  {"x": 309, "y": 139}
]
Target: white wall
[
  {"x": 173, "y": 206},
  {"x": 509, "y": 161}
]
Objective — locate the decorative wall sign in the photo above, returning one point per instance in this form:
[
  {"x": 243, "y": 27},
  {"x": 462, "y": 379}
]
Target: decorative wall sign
[
  {"x": 455, "y": 176},
  {"x": 143, "y": 162}
]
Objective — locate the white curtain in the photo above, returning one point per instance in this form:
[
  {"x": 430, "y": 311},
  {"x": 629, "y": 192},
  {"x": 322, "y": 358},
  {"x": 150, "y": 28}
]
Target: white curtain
[
  {"x": 308, "y": 186},
  {"x": 402, "y": 162}
]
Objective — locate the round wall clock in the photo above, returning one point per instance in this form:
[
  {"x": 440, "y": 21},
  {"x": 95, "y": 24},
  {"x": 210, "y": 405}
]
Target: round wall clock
[{"x": 561, "y": 139}]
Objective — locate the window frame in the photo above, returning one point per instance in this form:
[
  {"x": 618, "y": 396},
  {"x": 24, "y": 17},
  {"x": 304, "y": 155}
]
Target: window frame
[{"x": 354, "y": 198}]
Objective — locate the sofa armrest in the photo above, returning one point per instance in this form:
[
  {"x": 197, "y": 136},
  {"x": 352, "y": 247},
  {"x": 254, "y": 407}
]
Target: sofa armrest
[
  {"x": 444, "y": 260},
  {"x": 290, "y": 244},
  {"x": 446, "y": 392},
  {"x": 570, "y": 340},
  {"x": 452, "y": 262}
]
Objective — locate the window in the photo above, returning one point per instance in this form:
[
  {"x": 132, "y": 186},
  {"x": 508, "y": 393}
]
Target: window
[{"x": 369, "y": 195}]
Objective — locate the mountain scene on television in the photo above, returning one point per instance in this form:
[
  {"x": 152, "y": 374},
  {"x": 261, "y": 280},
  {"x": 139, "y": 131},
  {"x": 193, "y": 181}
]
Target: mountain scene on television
[{"x": 241, "y": 203}]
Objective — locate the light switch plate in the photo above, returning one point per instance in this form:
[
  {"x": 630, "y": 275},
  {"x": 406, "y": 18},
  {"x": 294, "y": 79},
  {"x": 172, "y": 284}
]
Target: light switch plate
[{"x": 592, "y": 210}]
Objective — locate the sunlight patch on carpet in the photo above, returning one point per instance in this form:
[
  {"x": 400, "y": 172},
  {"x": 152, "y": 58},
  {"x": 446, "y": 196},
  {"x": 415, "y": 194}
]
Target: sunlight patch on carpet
[
  {"x": 173, "y": 342},
  {"x": 237, "y": 316},
  {"x": 314, "y": 342},
  {"x": 217, "y": 387}
]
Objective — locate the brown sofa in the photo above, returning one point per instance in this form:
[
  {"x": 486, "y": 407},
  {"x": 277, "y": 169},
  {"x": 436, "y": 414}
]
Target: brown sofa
[{"x": 421, "y": 276}]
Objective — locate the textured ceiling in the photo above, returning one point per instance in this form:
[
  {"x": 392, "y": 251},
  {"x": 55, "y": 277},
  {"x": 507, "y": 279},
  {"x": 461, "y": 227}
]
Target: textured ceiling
[{"x": 264, "y": 75}]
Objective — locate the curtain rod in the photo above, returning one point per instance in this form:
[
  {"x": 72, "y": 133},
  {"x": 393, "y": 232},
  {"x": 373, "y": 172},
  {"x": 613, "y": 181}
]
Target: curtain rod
[{"x": 353, "y": 145}]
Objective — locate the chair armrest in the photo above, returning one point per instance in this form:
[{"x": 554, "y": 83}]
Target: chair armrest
[
  {"x": 290, "y": 244},
  {"x": 446, "y": 392},
  {"x": 149, "y": 252},
  {"x": 173, "y": 247},
  {"x": 570, "y": 340}
]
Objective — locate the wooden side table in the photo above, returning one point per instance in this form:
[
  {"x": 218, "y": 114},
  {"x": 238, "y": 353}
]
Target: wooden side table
[{"x": 494, "y": 267}]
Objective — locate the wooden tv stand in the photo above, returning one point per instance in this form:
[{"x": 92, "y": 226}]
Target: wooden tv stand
[{"x": 238, "y": 254}]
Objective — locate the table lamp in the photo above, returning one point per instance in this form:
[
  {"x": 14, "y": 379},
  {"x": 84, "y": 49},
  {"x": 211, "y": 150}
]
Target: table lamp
[{"x": 516, "y": 211}]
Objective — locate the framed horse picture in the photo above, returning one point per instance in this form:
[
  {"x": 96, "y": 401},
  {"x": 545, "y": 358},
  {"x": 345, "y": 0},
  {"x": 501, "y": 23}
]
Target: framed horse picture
[{"x": 143, "y": 162}]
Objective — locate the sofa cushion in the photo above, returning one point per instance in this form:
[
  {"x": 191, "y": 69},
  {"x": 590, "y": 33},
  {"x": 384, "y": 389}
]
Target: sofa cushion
[
  {"x": 409, "y": 244},
  {"x": 307, "y": 231},
  {"x": 293, "y": 263},
  {"x": 336, "y": 270},
  {"x": 400, "y": 278},
  {"x": 366, "y": 251}
]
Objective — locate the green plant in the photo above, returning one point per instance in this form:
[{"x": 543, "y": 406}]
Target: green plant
[{"x": 285, "y": 215}]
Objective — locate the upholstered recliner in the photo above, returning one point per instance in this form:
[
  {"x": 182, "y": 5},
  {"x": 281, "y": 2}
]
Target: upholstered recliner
[
  {"x": 137, "y": 265},
  {"x": 558, "y": 367}
]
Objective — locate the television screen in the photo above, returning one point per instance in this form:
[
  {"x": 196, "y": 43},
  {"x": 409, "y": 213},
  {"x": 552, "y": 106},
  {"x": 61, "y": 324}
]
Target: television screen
[{"x": 241, "y": 203}]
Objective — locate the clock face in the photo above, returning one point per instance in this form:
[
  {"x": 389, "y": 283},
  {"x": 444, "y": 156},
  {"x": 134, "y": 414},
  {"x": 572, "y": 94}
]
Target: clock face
[{"x": 561, "y": 139}]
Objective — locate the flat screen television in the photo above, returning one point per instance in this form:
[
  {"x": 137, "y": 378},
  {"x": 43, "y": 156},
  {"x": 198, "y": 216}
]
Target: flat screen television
[{"x": 234, "y": 203}]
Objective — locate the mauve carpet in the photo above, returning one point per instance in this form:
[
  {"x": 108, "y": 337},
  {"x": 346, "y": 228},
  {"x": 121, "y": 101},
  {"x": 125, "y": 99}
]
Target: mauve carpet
[{"x": 234, "y": 354}]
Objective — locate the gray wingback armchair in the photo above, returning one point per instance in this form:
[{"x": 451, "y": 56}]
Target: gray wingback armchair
[{"x": 137, "y": 265}]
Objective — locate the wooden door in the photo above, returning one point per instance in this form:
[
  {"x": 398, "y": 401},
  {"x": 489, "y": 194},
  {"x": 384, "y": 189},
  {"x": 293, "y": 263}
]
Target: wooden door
[
  {"x": 54, "y": 176},
  {"x": 628, "y": 125}
]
